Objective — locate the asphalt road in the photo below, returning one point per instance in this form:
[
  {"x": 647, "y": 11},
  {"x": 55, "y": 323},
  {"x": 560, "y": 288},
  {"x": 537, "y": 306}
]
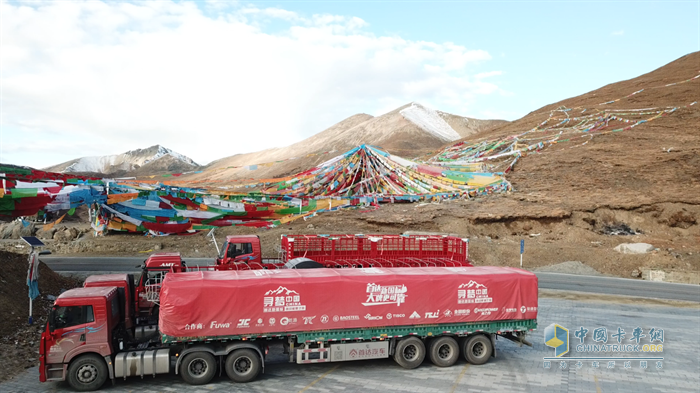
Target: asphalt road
[{"x": 83, "y": 266}]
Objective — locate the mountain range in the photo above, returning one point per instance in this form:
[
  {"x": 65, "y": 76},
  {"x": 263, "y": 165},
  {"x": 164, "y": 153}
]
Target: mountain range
[
  {"x": 655, "y": 162},
  {"x": 410, "y": 130}
]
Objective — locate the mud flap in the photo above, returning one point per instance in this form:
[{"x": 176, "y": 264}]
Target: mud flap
[{"x": 110, "y": 368}]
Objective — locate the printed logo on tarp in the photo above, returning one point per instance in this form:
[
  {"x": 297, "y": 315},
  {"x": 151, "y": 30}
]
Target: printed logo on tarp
[
  {"x": 387, "y": 294},
  {"x": 282, "y": 299},
  {"x": 485, "y": 311},
  {"x": 345, "y": 318},
  {"x": 473, "y": 292}
]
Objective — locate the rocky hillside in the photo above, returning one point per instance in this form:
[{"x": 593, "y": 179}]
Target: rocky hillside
[{"x": 152, "y": 160}]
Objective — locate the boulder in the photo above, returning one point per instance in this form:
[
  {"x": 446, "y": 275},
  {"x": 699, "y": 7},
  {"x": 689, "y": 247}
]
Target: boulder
[
  {"x": 45, "y": 234},
  {"x": 17, "y": 229},
  {"x": 66, "y": 234},
  {"x": 653, "y": 275},
  {"x": 634, "y": 248}
]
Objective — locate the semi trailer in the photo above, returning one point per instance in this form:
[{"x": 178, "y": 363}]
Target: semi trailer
[
  {"x": 216, "y": 322},
  {"x": 244, "y": 252}
]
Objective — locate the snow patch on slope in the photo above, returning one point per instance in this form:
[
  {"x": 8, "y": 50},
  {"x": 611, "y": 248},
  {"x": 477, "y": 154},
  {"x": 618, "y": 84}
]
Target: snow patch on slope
[
  {"x": 96, "y": 164},
  {"x": 126, "y": 161},
  {"x": 430, "y": 121}
]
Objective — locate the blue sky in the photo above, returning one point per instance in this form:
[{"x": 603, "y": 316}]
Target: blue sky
[{"x": 213, "y": 79}]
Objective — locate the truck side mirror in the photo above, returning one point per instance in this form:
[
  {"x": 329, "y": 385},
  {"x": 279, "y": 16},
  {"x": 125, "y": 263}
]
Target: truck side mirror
[{"x": 52, "y": 325}]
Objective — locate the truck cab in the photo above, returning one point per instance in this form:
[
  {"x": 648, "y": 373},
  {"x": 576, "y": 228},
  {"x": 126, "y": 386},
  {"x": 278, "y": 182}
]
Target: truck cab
[
  {"x": 147, "y": 289},
  {"x": 78, "y": 341},
  {"x": 125, "y": 286},
  {"x": 239, "y": 249}
]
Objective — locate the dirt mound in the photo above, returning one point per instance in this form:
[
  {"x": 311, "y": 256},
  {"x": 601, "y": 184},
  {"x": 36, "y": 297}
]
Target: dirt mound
[
  {"x": 19, "y": 342},
  {"x": 570, "y": 267}
]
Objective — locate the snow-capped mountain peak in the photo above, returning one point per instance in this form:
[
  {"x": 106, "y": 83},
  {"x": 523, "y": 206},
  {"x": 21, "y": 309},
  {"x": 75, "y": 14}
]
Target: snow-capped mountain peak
[
  {"x": 430, "y": 121},
  {"x": 128, "y": 161}
]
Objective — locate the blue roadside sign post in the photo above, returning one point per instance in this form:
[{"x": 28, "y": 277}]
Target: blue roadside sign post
[{"x": 522, "y": 250}]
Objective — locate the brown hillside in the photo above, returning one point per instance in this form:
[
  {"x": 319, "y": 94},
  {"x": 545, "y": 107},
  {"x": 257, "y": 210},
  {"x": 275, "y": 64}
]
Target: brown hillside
[
  {"x": 468, "y": 127},
  {"x": 624, "y": 169},
  {"x": 390, "y": 131}
]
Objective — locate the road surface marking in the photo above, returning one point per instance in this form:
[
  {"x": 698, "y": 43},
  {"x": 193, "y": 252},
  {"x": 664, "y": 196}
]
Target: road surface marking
[
  {"x": 319, "y": 378},
  {"x": 597, "y": 387},
  {"x": 464, "y": 370}
]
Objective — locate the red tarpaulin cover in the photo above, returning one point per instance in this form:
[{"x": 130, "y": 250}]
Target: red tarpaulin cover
[{"x": 266, "y": 301}]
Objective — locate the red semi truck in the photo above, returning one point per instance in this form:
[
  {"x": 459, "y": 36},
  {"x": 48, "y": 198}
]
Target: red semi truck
[
  {"x": 243, "y": 252},
  {"x": 225, "y": 321}
]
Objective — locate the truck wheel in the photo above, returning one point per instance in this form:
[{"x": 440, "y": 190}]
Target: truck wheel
[
  {"x": 444, "y": 351},
  {"x": 87, "y": 373},
  {"x": 243, "y": 365},
  {"x": 198, "y": 368},
  {"x": 477, "y": 349},
  {"x": 410, "y": 352}
]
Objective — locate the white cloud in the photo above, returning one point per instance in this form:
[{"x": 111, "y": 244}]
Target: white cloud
[
  {"x": 96, "y": 78},
  {"x": 618, "y": 32},
  {"x": 483, "y": 75}
]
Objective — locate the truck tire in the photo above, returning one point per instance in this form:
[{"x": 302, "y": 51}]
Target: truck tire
[
  {"x": 410, "y": 352},
  {"x": 198, "y": 368},
  {"x": 87, "y": 373},
  {"x": 444, "y": 351},
  {"x": 243, "y": 365},
  {"x": 477, "y": 349}
]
